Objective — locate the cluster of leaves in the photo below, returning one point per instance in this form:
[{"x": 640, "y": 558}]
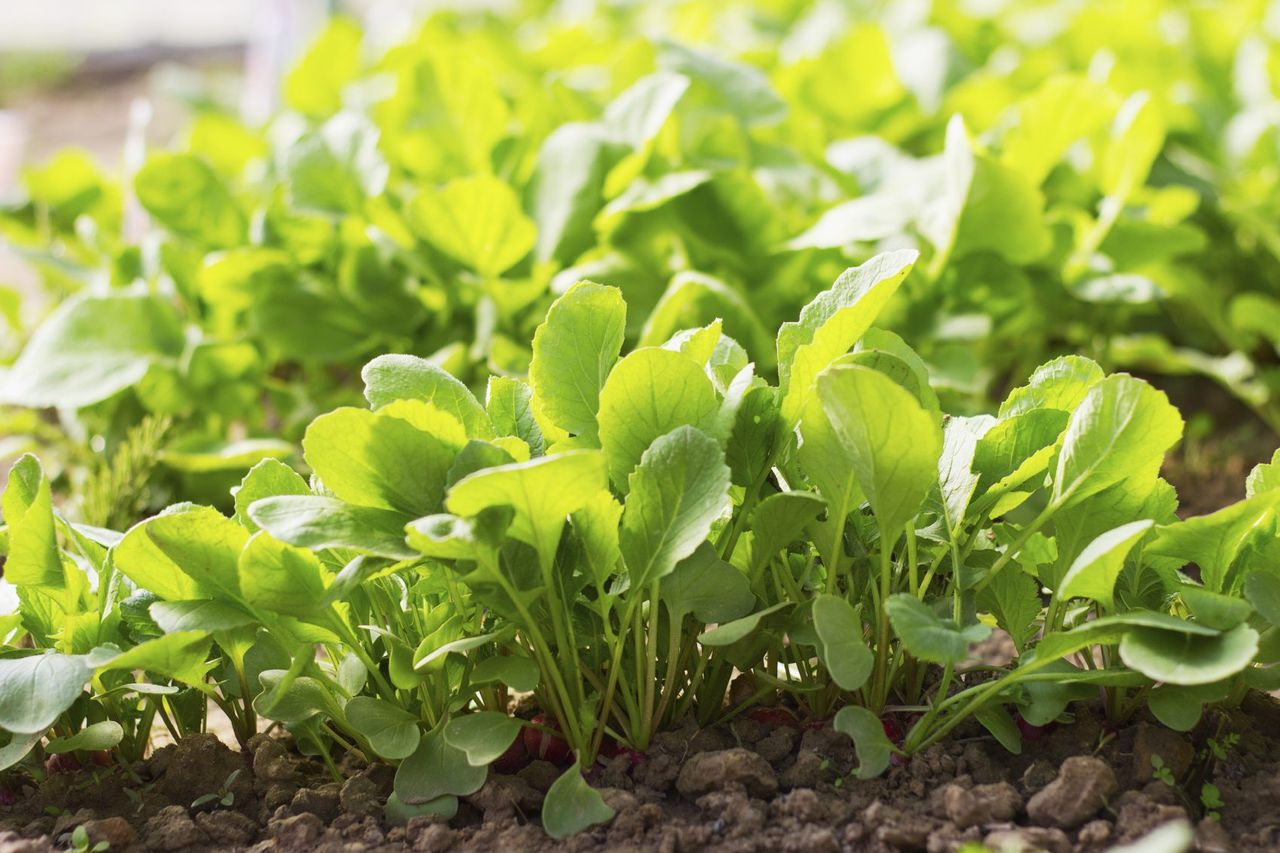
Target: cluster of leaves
[
  {"x": 621, "y": 534},
  {"x": 1101, "y": 186}
]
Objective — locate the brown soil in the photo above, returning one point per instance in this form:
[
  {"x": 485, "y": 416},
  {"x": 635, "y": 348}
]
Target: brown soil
[{"x": 751, "y": 786}]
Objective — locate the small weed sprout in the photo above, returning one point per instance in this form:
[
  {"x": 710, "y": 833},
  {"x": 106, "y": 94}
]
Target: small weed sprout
[{"x": 224, "y": 796}]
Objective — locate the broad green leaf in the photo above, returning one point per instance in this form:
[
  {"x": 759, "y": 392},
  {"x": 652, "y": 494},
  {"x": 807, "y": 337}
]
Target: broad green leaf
[
  {"x": 572, "y": 805},
  {"x": 706, "y": 586},
  {"x": 568, "y": 189},
  {"x": 392, "y": 731},
  {"x": 181, "y": 656},
  {"x": 18, "y": 747},
  {"x": 779, "y": 520},
  {"x": 892, "y": 441},
  {"x": 1017, "y": 448},
  {"x": 103, "y": 735},
  {"x": 515, "y": 671},
  {"x": 543, "y": 492},
  {"x": 296, "y": 701},
  {"x": 997, "y": 720},
  {"x": 1265, "y": 477},
  {"x": 731, "y": 632},
  {"x": 336, "y": 168},
  {"x": 1137, "y": 136},
  {"x": 833, "y": 322},
  {"x": 1214, "y": 541},
  {"x": 742, "y": 89},
  {"x": 509, "y": 403},
  {"x": 185, "y": 195},
  {"x": 314, "y": 85},
  {"x": 477, "y": 221},
  {"x": 1180, "y": 707},
  {"x": 596, "y": 526},
  {"x": 1262, "y": 589},
  {"x": 91, "y": 348},
  {"x": 695, "y": 299},
  {"x": 1121, "y": 429},
  {"x": 636, "y": 115},
  {"x": 958, "y": 475},
  {"x": 650, "y": 393},
  {"x": 1213, "y": 608},
  {"x": 841, "y": 648},
  {"x": 1013, "y": 598},
  {"x": 27, "y": 507},
  {"x": 396, "y": 458},
  {"x": 281, "y": 578},
  {"x": 869, "y": 740},
  {"x": 397, "y": 813},
  {"x": 199, "y": 615},
  {"x": 189, "y": 552},
  {"x": 926, "y": 635},
  {"x": 679, "y": 489},
  {"x": 1058, "y": 384},
  {"x": 1175, "y": 657},
  {"x": 312, "y": 521},
  {"x": 406, "y": 377},
  {"x": 1094, "y": 572},
  {"x": 36, "y": 689},
  {"x": 266, "y": 479},
  {"x": 573, "y": 350},
  {"x": 435, "y": 769},
  {"x": 484, "y": 736},
  {"x": 1065, "y": 109}
]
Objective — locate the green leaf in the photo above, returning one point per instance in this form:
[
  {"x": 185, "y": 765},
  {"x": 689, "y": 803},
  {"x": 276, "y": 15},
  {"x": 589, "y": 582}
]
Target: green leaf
[
  {"x": 18, "y": 747},
  {"x": 1013, "y": 598},
  {"x": 477, "y": 221},
  {"x": 103, "y": 735},
  {"x": 268, "y": 478},
  {"x": 91, "y": 348},
  {"x": 312, "y": 521},
  {"x": 27, "y": 506},
  {"x": 1179, "y": 707},
  {"x": 484, "y": 736},
  {"x": 869, "y": 740},
  {"x": 509, "y": 402},
  {"x": 742, "y": 89},
  {"x": 188, "y": 552},
  {"x": 296, "y": 701},
  {"x": 731, "y": 632},
  {"x": 397, "y": 813},
  {"x": 650, "y": 393},
  {"x": 1213, "y": 608},
  {"x": 696, "y": 299},
  {"x": 568, "y": 189},
  {"x": 574, "y": 349},
  {"x": 182, "y": 656},
  {"x": 997, "y": 720},
  {"x": 1181, "y": 658},
  {"x": 392, "y": 731},
  {"x": 1262, "y": 589},
  {"x": 1121, "y": 429},
  {"x": 833, "y": 322},
  {"x": 281, "y": 578},
  {"x": 199, "y": 615},
  {"x": 1058, "y": 384},
  {"x": 314, "y": 85},
  {"x": 1265, "y": 476},
  {"x": 1064, "y": 109},
  {"x": 406, "y": 377},
  {"x": 958, "y": 476},
  {"x": 892, "y": 441},
  {"x": 515, "y": 671},
  {"x": 437, "y": 768},
  {"x": 1094, "y": 572},
  {"x": 926, "y": 635},
  {"x": 1214, "y": 541},
  {"x": 779, "y": 520},
  {"x": 1017, "y": 448},
  {"x": 708, "y": 587},
  {"x": 636, "y": 115},
  {"x": 543, "y": 492},
  {"x": 396, "y": 458},
  {"x": 679, "y": 489},
  {"x": 36, "y": 689},
  {"x": 185, "y": 195},
  {"x": 572, "y": 805},
  {"x": 841, "y": 648}
]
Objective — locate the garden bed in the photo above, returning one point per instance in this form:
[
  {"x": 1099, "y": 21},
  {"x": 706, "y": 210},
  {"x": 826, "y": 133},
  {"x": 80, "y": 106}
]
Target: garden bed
[{"x": 757, "y": 784}]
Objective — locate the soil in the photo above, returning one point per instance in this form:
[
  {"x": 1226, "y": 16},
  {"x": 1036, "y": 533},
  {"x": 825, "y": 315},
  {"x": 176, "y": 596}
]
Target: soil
[{"x": 755, "y": 785}]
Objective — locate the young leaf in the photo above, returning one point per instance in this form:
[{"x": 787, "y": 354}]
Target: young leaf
[
  {"x": 1213, "y": 541},
  {"x": 437, "y": 768},
  {"x": 928, "y": 637},
  {"x": 706, "y": 586},
  {"x": 392, "y": 731},
  {"x": 281, "y": 578},
  {"x": 1058, "y": 384},
  {"x": 892, "y": 441},
  {"x": 997, "y": 720},
  {"x": 572, "y": 805},
  {"x": 27, "y": 507},
  {"x": 509, "y": 403},
  {"x": 406, "y": 377},
  {"x": 1121, "y": 429},
  {"x": 1094, "y": 572},
  {"x": 543, "y": 492},
  {"x": 869, "y": 740},
  {"x": 268, "y": 478},
  {"x": 833, "y": 322},
  {"x": 396, "y": 458},
  {"x": 477, "y": 221},
  {"x": 484, "y": 736},
  {"x": 312, "y": 521},
  {"x": 779, "y": 520},
  {"x": 680, "y": 487},
  {"x": 650, "y": 393},
  {"x": 91, "y": 348},
  {"x": 186, "y": 196},
  {"x": 36, "y": 689},
  {"x": 573, "y": 350},
  {"x": 841, "y": 648},
  {"x": 103, "y": 735},
  {"x": 1176, "y": 657},
  {"x": 189, "y": 552}
]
